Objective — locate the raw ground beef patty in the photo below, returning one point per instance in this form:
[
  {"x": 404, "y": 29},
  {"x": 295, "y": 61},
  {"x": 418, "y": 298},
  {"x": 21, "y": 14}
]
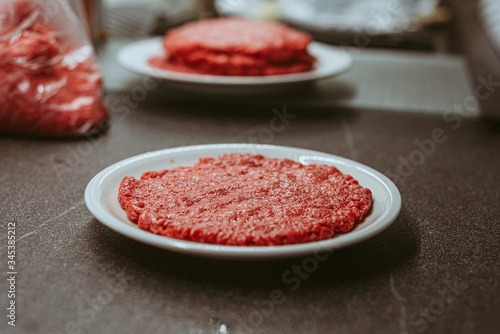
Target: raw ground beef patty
[
  {"x": 245, "y": 199},
  {"x": 49, "y": 87},
  {"x": 235, "y": 46}
]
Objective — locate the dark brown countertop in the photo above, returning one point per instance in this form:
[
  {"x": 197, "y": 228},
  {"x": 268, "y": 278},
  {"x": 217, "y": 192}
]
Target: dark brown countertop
[{"x": 435, "y": 270}]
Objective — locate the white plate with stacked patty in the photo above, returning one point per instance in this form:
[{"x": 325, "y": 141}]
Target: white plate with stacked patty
[
  {"x": 330, "y": 61},
  {"x": 234, "y": 55},
  {"x": 101, "y": 197}
]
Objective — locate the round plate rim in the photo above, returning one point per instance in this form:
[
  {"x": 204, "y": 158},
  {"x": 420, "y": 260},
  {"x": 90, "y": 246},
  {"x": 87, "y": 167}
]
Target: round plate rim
[{"x": 98, "y": 210}]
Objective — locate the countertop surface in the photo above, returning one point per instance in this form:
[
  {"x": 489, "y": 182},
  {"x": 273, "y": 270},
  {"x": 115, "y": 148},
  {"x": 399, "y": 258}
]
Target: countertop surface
[{"x": 435, "y": 270}]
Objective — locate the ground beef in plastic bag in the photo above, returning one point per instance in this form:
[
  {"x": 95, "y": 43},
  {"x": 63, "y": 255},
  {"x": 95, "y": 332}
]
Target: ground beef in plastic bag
[{"x": 49, "y": 85}]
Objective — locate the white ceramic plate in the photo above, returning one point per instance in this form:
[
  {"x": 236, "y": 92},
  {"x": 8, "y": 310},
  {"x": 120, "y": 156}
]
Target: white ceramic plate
[
  {"x": 101, "y": 197},
  {"x": 331, "y": 61}
]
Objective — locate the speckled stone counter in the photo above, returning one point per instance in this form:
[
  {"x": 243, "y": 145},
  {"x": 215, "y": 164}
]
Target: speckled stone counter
[{"x": 435, "y": 270}]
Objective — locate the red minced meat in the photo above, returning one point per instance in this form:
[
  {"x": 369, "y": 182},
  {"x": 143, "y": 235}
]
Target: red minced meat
[
  {"x": 235, "y": 46},
  {"x": 245, "y": 199}
]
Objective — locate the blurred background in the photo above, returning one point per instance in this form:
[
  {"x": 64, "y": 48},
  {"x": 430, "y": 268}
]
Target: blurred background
[
  {"x": 412, "y": 24},
  {"x": 443, "y": 46}
]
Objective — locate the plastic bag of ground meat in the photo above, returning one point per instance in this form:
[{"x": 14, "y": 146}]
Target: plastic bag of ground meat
[{"x": 50, "y": 82}]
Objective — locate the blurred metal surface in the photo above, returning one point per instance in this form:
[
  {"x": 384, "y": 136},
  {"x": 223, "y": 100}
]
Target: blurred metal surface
[
  {"x": 489, "y": 14},
  {"x": 382, "y": 23},
  {"x": 129, "y": 18}
]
